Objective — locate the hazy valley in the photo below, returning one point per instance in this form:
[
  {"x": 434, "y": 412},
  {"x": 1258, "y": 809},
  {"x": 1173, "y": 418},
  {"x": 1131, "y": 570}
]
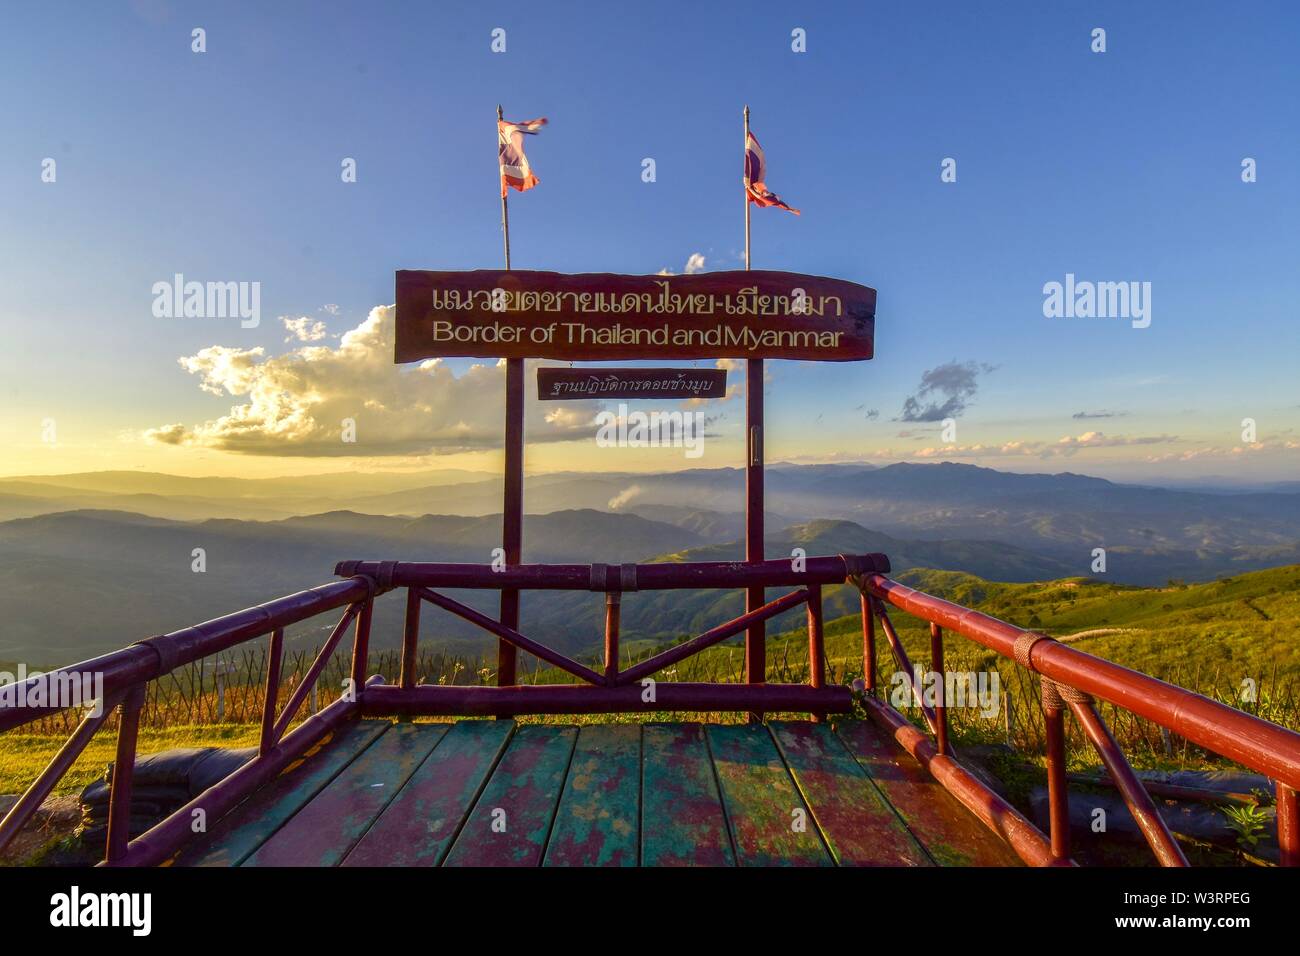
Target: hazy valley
[{"x": 91, "y": 562}]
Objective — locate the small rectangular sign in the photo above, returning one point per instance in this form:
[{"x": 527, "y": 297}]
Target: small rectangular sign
[
  {"x": 600, "y": 316},
  {"x": 558, "y": 384}
]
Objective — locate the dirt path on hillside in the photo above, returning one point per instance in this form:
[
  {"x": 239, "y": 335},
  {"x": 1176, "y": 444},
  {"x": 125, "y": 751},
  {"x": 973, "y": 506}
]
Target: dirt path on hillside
[{"x": 1098, "y": 632}]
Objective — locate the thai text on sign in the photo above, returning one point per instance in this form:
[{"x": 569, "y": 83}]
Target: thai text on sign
[
  {"x": 555, "y": 384},
  {"x": 601, "y": 316}
]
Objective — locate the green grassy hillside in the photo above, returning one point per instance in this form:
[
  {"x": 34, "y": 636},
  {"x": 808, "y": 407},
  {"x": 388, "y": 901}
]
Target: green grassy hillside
[{"x": 1246, "y": 625}]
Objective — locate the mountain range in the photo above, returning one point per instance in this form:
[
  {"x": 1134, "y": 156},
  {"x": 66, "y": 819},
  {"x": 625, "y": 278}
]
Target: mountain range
[{"x": 91, "y": 562}]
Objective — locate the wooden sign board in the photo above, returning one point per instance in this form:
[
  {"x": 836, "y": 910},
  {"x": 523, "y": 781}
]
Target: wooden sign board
[
  {"x": 600, "y": 316},
  {"x": 560, "y": 384}
]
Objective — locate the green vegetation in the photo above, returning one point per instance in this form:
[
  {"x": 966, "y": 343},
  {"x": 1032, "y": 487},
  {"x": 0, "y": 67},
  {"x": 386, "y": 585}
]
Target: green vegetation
[
  {"x": 1239, "y": 627},
  {"x": 24, "y": 756}
]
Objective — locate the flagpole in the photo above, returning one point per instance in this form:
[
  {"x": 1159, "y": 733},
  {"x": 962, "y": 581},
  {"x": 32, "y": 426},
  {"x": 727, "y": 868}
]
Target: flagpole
[
  {"x": 746, "y": 185},
  {"x": 505, "y": 209},
  {"x": 756, "y": 635},
  {"x": 512, "y": 511}
]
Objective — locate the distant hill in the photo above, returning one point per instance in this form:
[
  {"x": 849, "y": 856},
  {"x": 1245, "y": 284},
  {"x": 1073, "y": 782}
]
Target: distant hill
[
  {"x": 91, "y": 561},
  {"x": 1150, "y": 534},
  {"x": 184, "y": 498},
  {"x": 78, "y": 583},
  {"x": 346, "y": 482},
  {"x": 825, "y": 536}
]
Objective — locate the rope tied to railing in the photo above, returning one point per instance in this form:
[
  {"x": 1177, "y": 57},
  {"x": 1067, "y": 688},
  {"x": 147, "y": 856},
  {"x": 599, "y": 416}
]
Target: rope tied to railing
[
  {"x": 1055, "y": 695},
  {"x": 1025, "y": 644}
]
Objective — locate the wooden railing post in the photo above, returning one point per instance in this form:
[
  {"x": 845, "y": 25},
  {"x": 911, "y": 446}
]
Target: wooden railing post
[
  {"x": 868, "y": 645},
  {"x": 410, "y": 639},
  {"x": 941, "y": 705},
  {"x": 755, "y": 597},
  {"x": 119, "y": 794},
  {"x": 816, "y": 643},
  {"x": 613, "y": 603},
  {"x": 1138, "y": 801},
  {"x": 1058, "y": 797},
  {"x": 905, "y": 666},
  {"x": 512, "y": 512},
  {"x": 275, "y": 660},
  {"x": 311, "y": 679},
  {"x": 44, "y": 784},
  {"x": 361, "y": 646},
  {"x": 1288, "y": 825}
]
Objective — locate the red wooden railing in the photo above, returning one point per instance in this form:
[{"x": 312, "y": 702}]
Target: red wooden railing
[
  {"x": 126, "y": 673},
  {"x": 1071, "y": 679},
  {"x": 610, "y": 689}
]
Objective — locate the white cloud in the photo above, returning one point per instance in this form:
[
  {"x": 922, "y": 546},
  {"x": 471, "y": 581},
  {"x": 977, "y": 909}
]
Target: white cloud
[
  {"x": 1267, "y": 447},
  {"x": 1094, "y": 439},
  {"x": 694, "y": 264},
  {"x": 296, "y": 403},
  {"x": 304, "y": 329}
]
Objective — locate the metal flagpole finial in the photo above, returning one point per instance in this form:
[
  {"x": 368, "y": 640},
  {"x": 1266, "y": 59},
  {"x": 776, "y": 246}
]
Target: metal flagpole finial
[{"x": 499, "y": 115}]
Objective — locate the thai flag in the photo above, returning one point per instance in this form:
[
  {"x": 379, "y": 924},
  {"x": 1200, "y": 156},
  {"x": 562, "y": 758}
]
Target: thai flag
[
  {"x": 756, "y": 177},
  {"x": 515, "y": 170}
]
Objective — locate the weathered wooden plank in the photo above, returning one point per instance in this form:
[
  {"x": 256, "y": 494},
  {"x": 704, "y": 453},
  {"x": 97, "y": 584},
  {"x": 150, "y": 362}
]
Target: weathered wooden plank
[
  {"x": 950, "y": 833},
  {"x": 682, "y": 821},
  {"x": 857, "y": 823},
  {"x": 770, "y": 823},
  {"x": 600, "y": 810},
  {"x": 322, "y": 832},
  {"x": 249, "y": 825},
  {"x": 512, "y": 817},
  {"x": 417, "y": 828}
]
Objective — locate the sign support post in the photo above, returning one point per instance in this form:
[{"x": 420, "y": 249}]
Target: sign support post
[
  {"x": 512, "y": 512},
  {"x": 756, "y": 635}
]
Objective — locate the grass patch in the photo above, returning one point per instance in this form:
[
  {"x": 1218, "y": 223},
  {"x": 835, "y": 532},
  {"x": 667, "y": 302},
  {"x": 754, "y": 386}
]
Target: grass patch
[{"x": 24, "y": 756}]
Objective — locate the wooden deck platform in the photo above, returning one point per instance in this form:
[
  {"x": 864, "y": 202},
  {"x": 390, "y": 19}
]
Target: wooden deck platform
[{"x": 496, "y": 793}]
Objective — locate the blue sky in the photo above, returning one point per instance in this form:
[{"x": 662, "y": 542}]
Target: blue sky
[{"x": 225, "y": 165}]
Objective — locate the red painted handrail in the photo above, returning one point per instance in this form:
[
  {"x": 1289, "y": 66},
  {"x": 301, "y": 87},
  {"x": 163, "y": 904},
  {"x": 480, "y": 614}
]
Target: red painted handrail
[
  {"x": 1072, "y": 677},
  {"x": 143, "y": 661},
  {"x": 592, "y": 577},
  {"x": 126, "y": 673},
  {"x": 1262, "y": 746}
]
